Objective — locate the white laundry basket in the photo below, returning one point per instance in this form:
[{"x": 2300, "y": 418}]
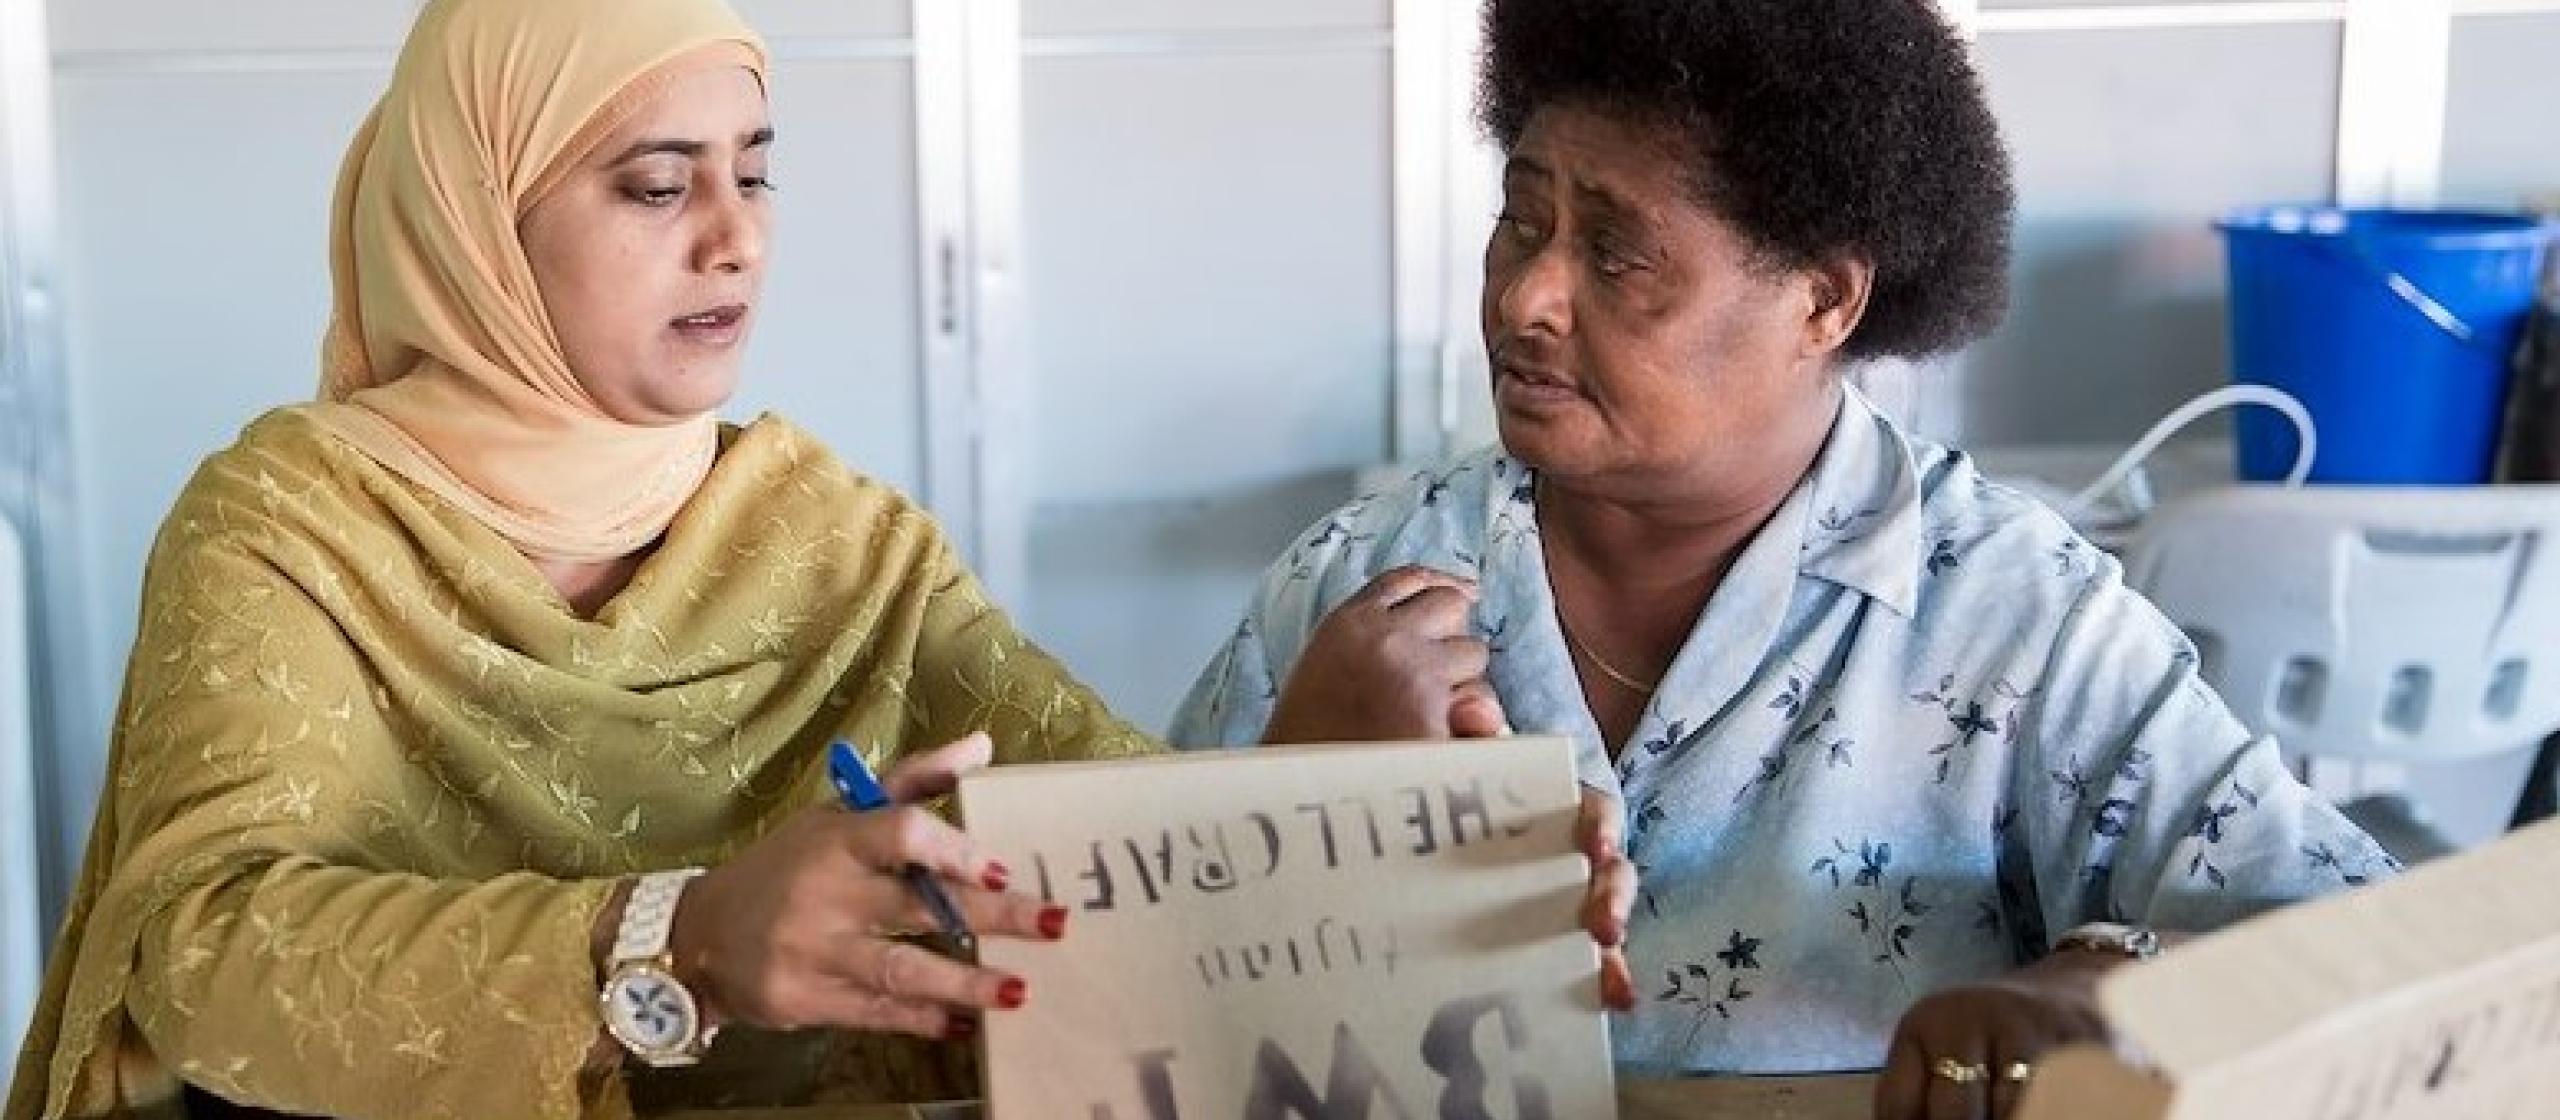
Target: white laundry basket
[{"x": 2396, "y": 625}]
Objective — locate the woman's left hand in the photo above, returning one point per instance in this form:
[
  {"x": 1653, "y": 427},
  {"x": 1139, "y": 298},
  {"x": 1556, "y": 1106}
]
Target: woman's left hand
[
  {"x": 1989, "y": 1037},
  {"x": 1610, "y": 895}
]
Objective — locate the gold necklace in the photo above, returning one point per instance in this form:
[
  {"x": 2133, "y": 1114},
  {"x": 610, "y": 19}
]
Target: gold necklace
[
  {"x": 1607, "y": 670},
  {"x": 1623, "y": 681}
]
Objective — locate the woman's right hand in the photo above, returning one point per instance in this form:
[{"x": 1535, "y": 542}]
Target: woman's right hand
[
  {"x": 1395, "y": 661},
  {"x": 801, "y": 930}
]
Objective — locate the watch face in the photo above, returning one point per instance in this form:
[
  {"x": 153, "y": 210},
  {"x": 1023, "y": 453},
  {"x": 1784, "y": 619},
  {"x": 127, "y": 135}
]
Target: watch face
[{"x": 649, "y": 1011}]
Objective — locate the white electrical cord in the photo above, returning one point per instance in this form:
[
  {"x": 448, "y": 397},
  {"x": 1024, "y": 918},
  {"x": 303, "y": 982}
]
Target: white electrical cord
[{"x": 2229, "y": 396}]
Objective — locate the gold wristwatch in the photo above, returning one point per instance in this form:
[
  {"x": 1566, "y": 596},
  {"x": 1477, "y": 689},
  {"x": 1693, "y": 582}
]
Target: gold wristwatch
[{"x": 646, "y": 1008}]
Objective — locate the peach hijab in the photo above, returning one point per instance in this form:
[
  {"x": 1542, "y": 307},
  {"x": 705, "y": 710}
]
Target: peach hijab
[{"x": 441, "y": 362}]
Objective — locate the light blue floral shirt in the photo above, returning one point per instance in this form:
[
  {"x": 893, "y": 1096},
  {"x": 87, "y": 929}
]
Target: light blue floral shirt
[{"x": 1921, "y": 728}]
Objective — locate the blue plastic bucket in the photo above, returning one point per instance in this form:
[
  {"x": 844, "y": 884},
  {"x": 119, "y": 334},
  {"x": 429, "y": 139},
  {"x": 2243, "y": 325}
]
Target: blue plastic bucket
[{"x": 2395, "y": 328}]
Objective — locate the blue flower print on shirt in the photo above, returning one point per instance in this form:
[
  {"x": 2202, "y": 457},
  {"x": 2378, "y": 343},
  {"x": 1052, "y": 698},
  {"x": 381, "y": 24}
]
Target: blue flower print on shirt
[
  {"x": 1888, "y": 917},
  {"x": 1971, "y": 719},
  {"x": 1707, "y": 991},
  {"x": 2213, "y": 823}
]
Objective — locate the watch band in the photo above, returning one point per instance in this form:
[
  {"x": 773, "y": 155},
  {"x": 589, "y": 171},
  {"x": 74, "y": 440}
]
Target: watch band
[
  {"x": 2134, "y": 942},
  {"x": 649, "y": 916}
]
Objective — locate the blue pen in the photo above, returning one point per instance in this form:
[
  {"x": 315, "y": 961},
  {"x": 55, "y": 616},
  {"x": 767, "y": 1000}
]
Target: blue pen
[{"x": 861, "y": 793}]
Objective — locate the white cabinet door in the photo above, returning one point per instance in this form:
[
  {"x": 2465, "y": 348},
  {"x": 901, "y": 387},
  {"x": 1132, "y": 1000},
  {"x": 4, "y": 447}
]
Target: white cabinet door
[
  {"x": 2502, "y": 131},
  {"x": 21, "y": 922},
  {"x": 1208, "y": 204},
  {"x": 2128, "y": 144}
]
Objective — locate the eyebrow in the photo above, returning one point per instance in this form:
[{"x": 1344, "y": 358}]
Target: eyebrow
[
  {"x": 1606, "y": 203},
  {"x": 690, "y": 149}
]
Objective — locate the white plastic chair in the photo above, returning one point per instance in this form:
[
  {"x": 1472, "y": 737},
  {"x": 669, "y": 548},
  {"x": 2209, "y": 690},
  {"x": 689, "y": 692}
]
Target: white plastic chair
[{"x": 2395, "y": 625}]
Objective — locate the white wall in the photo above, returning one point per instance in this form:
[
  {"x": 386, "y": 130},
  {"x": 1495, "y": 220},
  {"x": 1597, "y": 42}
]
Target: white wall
[
  {"x": 2502, "y": 124},
  {"x": 22, "y": 932},
  {"x": 1207, "y": 217},
  {"x": 2128, "y": 145}
]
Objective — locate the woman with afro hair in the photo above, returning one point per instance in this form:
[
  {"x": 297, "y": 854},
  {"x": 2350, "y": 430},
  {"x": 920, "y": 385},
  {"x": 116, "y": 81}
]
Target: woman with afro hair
[{"x": 1904, "y": 764}]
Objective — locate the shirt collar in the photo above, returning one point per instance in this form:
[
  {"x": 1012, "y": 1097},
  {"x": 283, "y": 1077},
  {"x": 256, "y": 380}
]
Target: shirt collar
[{"x": 1864, "y": 531}]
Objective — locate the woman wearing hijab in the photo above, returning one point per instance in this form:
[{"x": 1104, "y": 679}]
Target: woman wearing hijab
[{"x": 446, "y": 684}]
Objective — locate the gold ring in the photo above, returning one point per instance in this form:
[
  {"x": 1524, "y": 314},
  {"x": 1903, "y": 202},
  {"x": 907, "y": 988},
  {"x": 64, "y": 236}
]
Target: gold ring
[
  {"x": 1961, "y": 1073},
  {"x": 2017, "y": 1071}
]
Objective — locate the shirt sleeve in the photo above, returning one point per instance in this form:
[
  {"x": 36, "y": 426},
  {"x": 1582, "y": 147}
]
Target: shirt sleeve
[
  {"x": 275, "y": 957},
  {"x": 2140, "y": 797},
  {"x": 974, "y": 671},
  {"x": 1231, "y": 701}
]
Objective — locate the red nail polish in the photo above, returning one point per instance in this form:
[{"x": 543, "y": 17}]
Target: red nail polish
[
  {"x": 960, "y": 1030},
  {"x": 1053, "y": 922},
  {"x": 1012, "y": 993},
  {"x": 996, "y": 877}
]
